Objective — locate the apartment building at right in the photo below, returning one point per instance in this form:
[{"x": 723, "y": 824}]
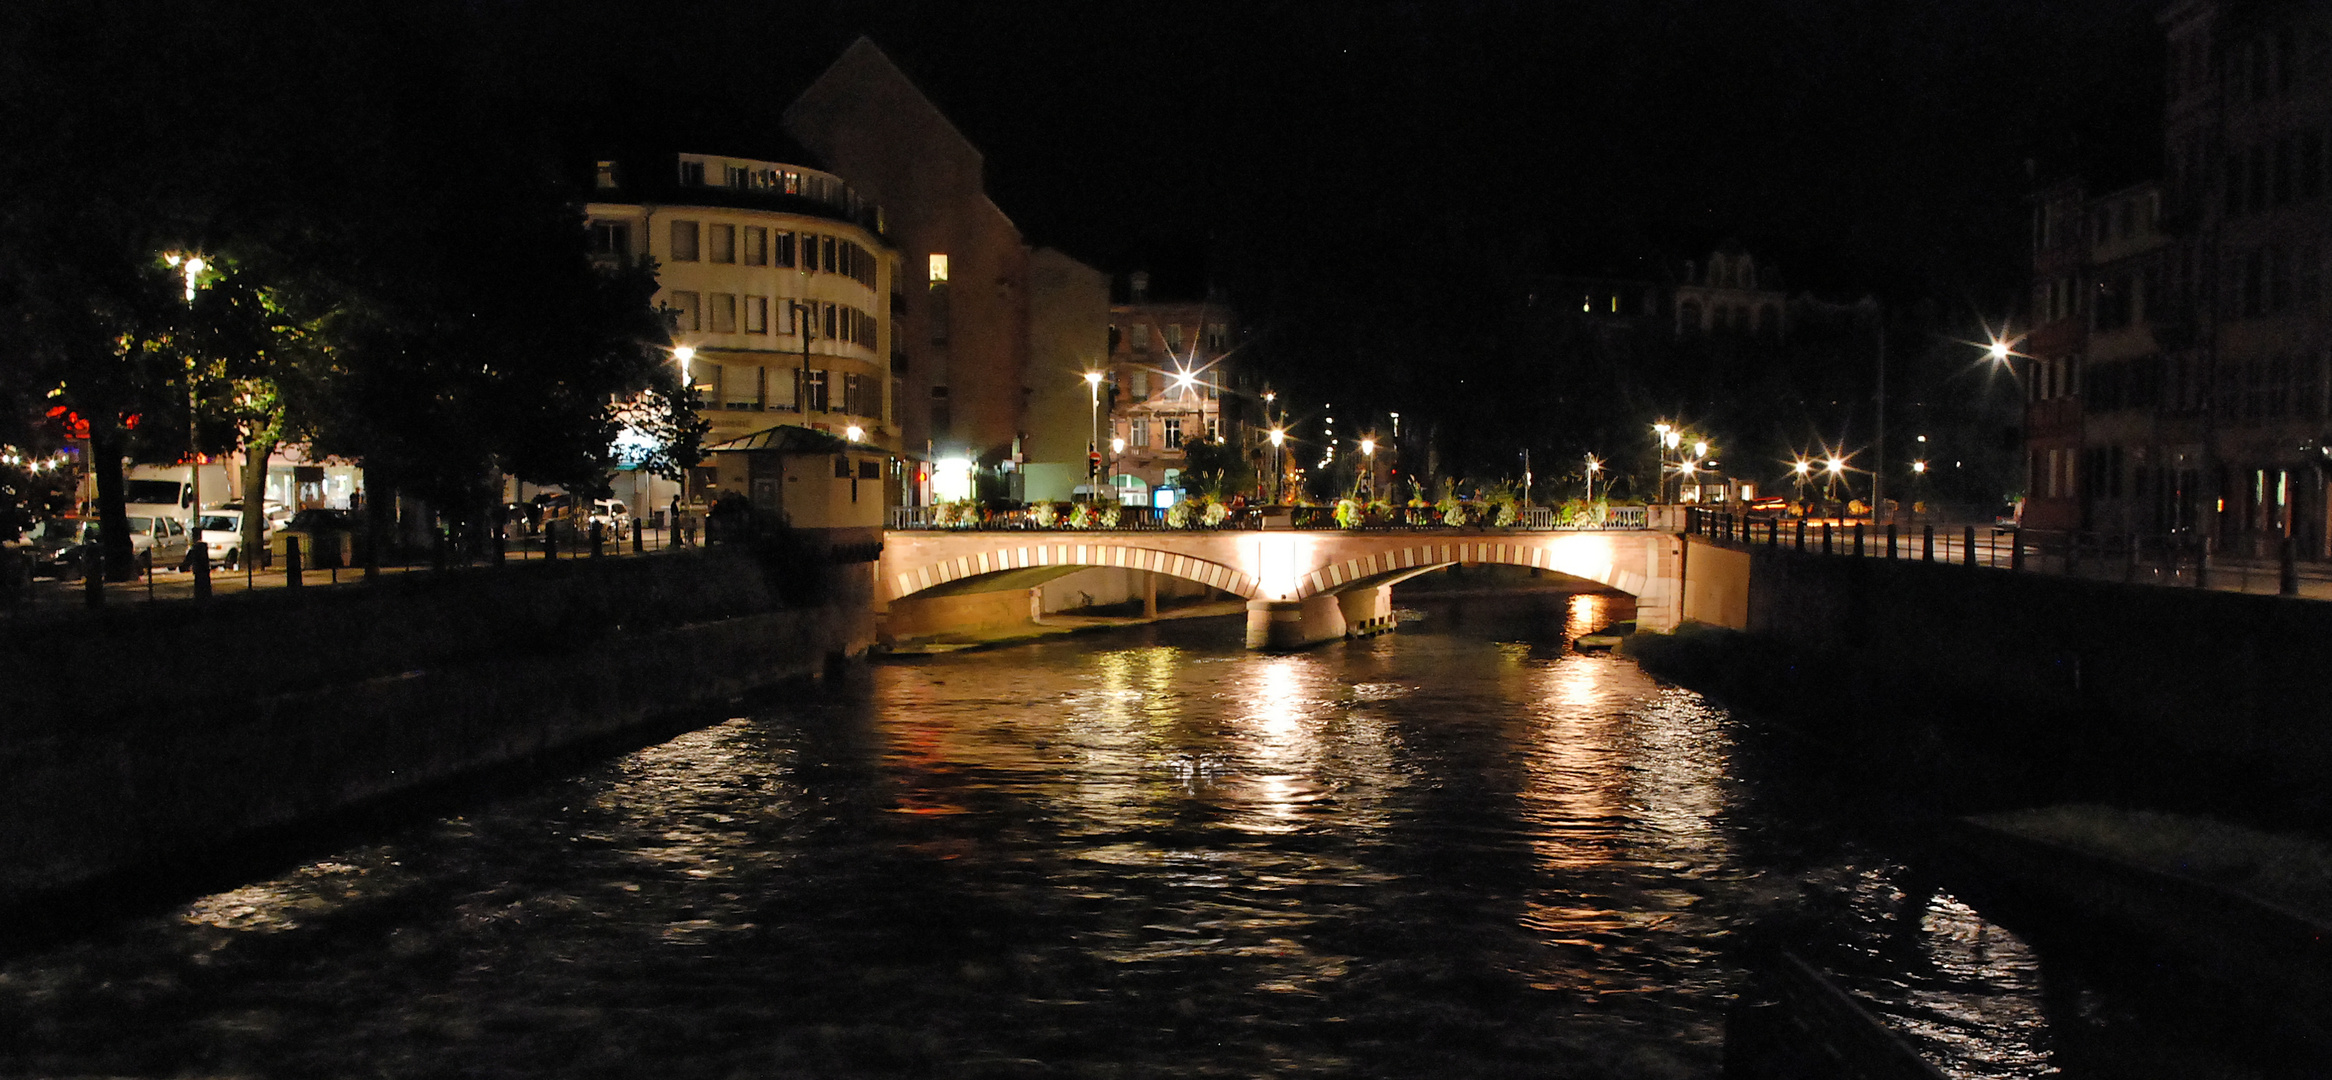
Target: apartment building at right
[{"x": 2177, "y": 363}]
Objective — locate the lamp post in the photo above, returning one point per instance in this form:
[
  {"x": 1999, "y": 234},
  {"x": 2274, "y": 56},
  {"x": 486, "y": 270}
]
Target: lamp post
[
  {"x": 1278, "y": 439},
  {"x": 1368, "y": 459},
  {"x": 1117, "y": 447},
  {"x": 1593, "y": 467},
  {"x": 190, "y": 268},
  {"x": 1671, "y": 440},
  {"x": 682, "y": 355},
  {"x": 1093, "y": 448},
  {"x": 1837, "y": 470}
]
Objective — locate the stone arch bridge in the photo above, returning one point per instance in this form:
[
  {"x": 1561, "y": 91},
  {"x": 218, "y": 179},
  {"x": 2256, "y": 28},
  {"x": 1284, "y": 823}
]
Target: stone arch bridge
[{"x": 1301, "y": 586}]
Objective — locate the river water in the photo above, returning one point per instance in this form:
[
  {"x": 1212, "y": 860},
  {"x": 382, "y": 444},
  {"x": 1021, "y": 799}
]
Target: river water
[{"x": 1460, "y": 850}]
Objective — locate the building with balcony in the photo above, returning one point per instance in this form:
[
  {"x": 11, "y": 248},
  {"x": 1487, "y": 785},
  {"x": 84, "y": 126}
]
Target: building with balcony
[{"x": 775, "y": 278}]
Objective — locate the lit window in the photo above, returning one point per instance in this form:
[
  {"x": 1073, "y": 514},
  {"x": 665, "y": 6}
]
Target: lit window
[
  {"x": 606, "y": 174},
  {"x": 938, "y": 269}
]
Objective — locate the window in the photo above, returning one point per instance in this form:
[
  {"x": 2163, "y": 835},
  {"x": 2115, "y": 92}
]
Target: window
[
  {"x": 841, "y": 467},
  {"x": 782, "y": 251},
  {"x": 756, "y": 314},
  {"x": 826, "y": 254},
  {"x": 856, "y": 398},
  {"x": 611, "y": 238},
  {"x": 741, "y": 387},
  {"x": 1140, "y": 335},
  {"x": 828, "y": 328},
  {"x": 724, "y": 244},
  {"x": 1214, "y": 429},
  {"x": 724, "y": 312},
  {"x": 606, "y": 177},
  {"x": 1218, "y": 336},
  {"x": 1173, "y": 432},
  {"x": 756, "y": 246},
  {"x": 938, "y": 269},
  {"x": 1141, "y": 434},
  {"x": 692, "y": 173},
  {"x": 817, "y": 396},
  {"x": 1174, "y": 336},
  {"x": 809, "y": 253},
  {"x": 870, "y": 470},
  {"x": 740, "y": 177},
  {"x": 1141, "y": 384},
  {"x": 686, "y": 314},
  {"x": 684, "y": 241}
]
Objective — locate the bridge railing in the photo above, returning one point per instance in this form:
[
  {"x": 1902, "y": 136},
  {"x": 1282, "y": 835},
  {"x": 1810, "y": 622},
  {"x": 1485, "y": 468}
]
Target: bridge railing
[
  {"x": 1151, "y": 519},
  {"x": 2251, "y": 564}
]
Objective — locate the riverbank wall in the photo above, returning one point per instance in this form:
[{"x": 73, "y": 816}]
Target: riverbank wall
[
  {"x": 142, "y": 739},
  {"x": 2018, "y": 687}
]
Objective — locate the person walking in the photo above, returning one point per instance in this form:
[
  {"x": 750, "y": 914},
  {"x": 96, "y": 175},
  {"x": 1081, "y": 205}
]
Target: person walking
[{"x": 672, "y": 524}]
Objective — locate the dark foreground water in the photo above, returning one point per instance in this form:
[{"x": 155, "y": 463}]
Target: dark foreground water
[{"x": 1456, "y": 851}]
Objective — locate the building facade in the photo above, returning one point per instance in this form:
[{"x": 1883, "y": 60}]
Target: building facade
[
  {"x": 2180, "y": 359},
  {"x": 774, "y": 278},
  {"x": 1173, "y": 381},
  {"x": 960, "y": 303}
]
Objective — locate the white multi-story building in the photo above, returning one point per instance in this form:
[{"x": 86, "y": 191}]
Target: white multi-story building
[{"x": 776, "y": 278}]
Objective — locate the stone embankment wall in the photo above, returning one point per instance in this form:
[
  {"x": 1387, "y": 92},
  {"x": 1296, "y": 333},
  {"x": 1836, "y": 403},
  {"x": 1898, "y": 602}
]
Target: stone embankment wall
[
  {"x": 147, "y": 735},
  {"x": 2174, "y": 696}
]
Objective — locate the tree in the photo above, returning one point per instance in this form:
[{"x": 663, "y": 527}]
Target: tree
[{"x": 1215, "y": 469}]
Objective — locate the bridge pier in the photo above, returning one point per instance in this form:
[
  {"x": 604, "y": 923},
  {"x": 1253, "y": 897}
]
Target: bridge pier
[{"x": 1282, "y": 625}]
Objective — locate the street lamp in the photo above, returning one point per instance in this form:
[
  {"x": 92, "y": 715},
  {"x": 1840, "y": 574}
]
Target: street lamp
[
  {"x": 190, "y": 269},
  {"x": 1093, "y": 449},
  {"x": 1368, "y": 458},
  {"x": 1593, "y": 467},
  {"x": 1278, "y": 439}
]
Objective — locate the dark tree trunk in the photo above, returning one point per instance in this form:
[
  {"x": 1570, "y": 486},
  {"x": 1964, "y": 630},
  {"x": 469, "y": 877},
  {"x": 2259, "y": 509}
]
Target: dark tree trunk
[
  {"x": 254, "y": 539},
  {"x": 113, "y": 522}
]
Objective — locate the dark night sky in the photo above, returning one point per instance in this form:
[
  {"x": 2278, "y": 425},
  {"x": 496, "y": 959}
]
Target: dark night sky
[{"x": 1864, "y": 144}]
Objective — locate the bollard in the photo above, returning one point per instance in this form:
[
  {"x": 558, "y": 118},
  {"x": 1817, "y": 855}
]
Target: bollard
[
  {"x": 551, "y": 541},
  {"x": 93, "y": 575},
  {"x": 1858, "y": 539},
  {"x": 1801, "y": 534},
  {"x": 291, "y": 562},
  {"x": 1773, "y": 533},
  {"x": 639, "y": 538},
  {"x": 501, "y": 546},
  {"x": 198, "y": 559},
  {"x": 1890, "y": 541},
  {"x": 1968, "y": 546},
  {"x": 1825, "y": 538},
  {"x": 2015, "y": 550},
  {"x": 1926, "y": 543},
  {"x": 598, "y": 541},
  {"x": 2288, "y": 582}
]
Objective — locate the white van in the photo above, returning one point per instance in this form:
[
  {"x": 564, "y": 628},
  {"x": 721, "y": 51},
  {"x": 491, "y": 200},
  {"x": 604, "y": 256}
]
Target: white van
[{"x": 168, "y": 490}]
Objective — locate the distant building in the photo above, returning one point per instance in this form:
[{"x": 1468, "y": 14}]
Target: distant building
[
  {"x": 1170, "y": 366},
  {"x": 960, "y": 301},
  {"x": 1068, "y": 339},
  {"x": 1727, "y": 294}
]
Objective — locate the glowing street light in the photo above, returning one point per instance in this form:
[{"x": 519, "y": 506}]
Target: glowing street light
[
  {"x": 1093, "y": 448},
  {"x": 1593, "y": 467},
  {"x": 854, "y": 433}
]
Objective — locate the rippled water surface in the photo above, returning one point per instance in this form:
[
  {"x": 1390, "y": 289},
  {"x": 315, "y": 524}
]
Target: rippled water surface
[{"x": 1459, "y": 851}]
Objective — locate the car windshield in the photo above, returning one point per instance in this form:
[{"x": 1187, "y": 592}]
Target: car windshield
[
  {"x": 150, "y": 491},
  {"x": 66, "y": 532},
  {"x": 141, "y": 525},
  {"x": 220, "y": 522}
]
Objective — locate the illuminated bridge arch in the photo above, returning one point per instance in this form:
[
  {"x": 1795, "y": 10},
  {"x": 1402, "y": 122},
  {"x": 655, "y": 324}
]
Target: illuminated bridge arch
[
  {"x": 1009, "y": 564},
  {"x": 1589, "y": 557}
]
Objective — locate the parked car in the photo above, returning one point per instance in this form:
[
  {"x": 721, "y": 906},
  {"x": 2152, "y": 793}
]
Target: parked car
[
  {"x": 222, "y": 529},
  {"x": 65, "y": 547},
  {"x": 327, "y": 538},
  {"x": 611, "y": 515}
]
